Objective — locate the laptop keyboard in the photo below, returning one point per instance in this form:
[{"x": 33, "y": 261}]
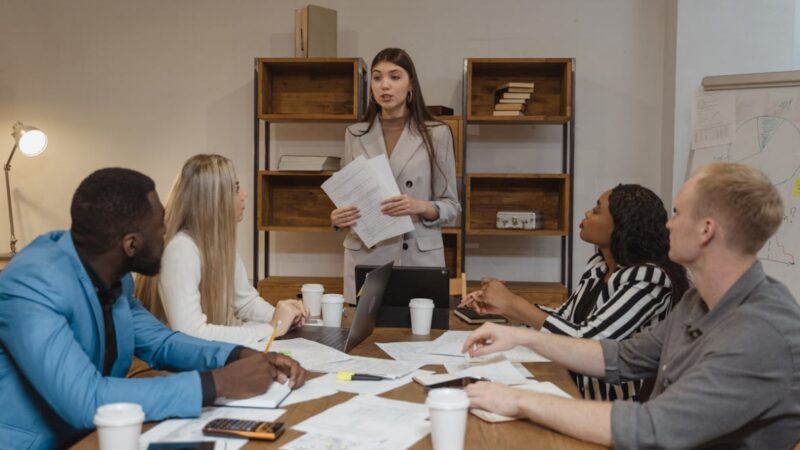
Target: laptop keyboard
[{"x": 334, "y": 337}]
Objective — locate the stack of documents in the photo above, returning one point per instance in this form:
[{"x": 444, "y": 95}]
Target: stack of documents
[
  {"x": 365, "y": 422},
  {"x": 365, "y": 183}
]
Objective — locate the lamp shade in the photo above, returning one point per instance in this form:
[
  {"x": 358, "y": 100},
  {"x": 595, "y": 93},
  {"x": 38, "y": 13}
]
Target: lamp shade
[{"x": 31, "y": 141}]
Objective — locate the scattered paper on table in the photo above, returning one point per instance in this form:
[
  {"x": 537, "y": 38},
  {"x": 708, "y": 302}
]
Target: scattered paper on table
[
  {"x": 311, "y": 390},
  {"x": 175, "y": 430},
  {"x": 387, "y": 424},
  {"x": 501, "y": 371},
  {"x": 416, "y": 352},
  {"x": 308, "y": 352},
  {"x": 542, "y": 387},
  {"x": 385, "y": 368},
  {"x": 451, "y": 342}
]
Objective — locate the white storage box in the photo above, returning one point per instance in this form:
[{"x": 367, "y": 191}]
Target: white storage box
[{"x": 520, "y": 220}]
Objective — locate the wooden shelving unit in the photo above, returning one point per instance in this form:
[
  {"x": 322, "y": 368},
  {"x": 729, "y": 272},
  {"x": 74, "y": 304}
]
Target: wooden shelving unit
[
  {"x": 552, "y": 103},
  {"x": 310, "y": 89},
  {"x": 290, "y": 90}
]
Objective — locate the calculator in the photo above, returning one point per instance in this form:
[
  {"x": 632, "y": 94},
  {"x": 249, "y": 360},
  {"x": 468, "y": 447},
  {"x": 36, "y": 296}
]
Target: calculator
[{"x": 250, "y": 429}]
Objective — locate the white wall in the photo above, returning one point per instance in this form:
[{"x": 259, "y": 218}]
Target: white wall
[
  {"x": 720, "y": 37},
  {"x": 146, "y": 84}
]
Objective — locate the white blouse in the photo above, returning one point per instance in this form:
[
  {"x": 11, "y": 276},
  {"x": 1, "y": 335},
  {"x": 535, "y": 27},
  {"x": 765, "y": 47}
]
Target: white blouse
[{"x": 179, "y": 287}]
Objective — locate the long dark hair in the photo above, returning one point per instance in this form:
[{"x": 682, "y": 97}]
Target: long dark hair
[
  {"x": 640, "y": 233},
  {"x": 418, "y": 111}
]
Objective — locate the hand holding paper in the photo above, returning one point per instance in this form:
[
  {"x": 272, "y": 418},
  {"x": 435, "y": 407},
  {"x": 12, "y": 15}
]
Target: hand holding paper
[{"x": 365, "y": 184}]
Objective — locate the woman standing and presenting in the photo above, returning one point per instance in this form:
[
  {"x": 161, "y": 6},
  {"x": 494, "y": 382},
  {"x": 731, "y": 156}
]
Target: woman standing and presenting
[
  {"x": 203, "y": 289},
  {"x": 420, "y": 153}
]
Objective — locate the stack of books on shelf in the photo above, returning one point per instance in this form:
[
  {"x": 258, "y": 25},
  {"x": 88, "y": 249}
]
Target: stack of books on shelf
[{"x": 512, "y": 98}]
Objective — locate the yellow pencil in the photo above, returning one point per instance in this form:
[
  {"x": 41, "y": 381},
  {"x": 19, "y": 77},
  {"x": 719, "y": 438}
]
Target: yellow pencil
[{"x": 272, "y": 336}]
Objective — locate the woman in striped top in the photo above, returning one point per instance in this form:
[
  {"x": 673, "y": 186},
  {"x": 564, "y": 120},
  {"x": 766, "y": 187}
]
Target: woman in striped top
[{"x": 629, "y": 284}]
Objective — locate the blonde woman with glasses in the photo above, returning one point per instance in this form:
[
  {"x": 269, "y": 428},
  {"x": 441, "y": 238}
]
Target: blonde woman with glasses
[{"x": 203, "y": 289}]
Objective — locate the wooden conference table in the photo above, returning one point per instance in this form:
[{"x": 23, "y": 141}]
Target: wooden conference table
[{"x": 519, "y": 434}]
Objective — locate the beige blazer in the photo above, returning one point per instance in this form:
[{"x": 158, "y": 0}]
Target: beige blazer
[{"x": 411, "y": 168}]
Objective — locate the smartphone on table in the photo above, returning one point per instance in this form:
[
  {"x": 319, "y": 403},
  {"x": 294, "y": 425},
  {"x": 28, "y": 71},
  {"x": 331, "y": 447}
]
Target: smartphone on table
[{"x": 458, "y": 383}]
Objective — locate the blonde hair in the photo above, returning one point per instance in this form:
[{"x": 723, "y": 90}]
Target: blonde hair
[
  {"x": 743, "y": 199},
  {"x": 202, "y": 204}
]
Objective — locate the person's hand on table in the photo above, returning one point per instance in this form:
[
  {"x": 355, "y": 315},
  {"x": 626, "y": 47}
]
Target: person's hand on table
[
  {"x": 254, "y": 372},
  {"x": 289, "y": 314},
  {"x": 492, "y": 338},
  {"x": 494, "y": 397}
]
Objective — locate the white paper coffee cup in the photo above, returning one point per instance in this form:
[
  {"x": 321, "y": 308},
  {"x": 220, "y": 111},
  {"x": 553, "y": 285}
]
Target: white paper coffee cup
[
  {"x": 332, "y": 308},
  {"x": 448, "y": 410},
  {"x": 119, "y": 426},
  {"x": 421, "y": 315},
  {"x": 312, "y": 296}
]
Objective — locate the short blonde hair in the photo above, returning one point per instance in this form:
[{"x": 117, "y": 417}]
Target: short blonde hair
[{"x": 743, "y": 199}]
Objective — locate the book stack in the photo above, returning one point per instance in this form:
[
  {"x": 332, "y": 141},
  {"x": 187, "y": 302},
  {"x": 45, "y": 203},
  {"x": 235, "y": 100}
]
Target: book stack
[{"x": 512, "y": 98}]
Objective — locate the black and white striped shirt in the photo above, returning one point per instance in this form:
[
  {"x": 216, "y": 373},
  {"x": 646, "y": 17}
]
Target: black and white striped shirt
[{"x": 634, "y": 298}]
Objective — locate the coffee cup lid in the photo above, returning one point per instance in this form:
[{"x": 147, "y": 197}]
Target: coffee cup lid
[
  {"x": 118, "y": 415},
  {"x": 420, "y": 303},
  {"x": 312, "y": 287},
  {"x": 329, "y": 299},
  {"x": 447, "y": 398}
]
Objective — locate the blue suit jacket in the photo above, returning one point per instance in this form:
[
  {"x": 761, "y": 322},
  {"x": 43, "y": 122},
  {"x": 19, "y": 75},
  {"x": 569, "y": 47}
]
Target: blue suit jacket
[{"x": 52, "y": 348}]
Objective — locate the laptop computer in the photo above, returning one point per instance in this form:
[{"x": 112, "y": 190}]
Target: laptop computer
[
  {"x": 367, "y": 307},
  {"x": 409, "y": 282}
]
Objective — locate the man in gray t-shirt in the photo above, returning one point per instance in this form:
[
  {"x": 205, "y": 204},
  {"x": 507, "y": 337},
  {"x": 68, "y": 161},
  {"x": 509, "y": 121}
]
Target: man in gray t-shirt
[{"x": 727, "y": 358}]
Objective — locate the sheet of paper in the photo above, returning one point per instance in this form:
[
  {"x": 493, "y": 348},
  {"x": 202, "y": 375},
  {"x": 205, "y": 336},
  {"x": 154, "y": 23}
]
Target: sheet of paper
[
  {"x": 360, "y": 183},
  {"x": 416, "y": 352},
  {"x": 276, "y": 393},
  {"x": 534, "y": 386},
  {"x": 502, "y": 371},
  {"x": 713, "y": 118},
  {"x": 311, "y": 390},
  {"x": 451, "y": 342},
  {"x": 173, "y": 430},
  {"x": 386, "y": 368},
  {"x": 387, "y": 424},
  {"x": 308, "y": 352},
  {"x": 373, "y": 387},
  {"x": 319, "y": 441}
]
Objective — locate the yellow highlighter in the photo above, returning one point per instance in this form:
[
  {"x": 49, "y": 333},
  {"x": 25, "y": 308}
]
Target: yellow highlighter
[{"x": 350, "y": 376}]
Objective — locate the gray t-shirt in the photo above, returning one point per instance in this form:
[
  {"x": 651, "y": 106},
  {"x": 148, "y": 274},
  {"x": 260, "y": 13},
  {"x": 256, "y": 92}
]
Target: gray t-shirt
[{"x": 725, "y": 378}]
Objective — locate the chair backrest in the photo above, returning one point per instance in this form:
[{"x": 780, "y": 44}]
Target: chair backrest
[{"x": 458, "y": 286}]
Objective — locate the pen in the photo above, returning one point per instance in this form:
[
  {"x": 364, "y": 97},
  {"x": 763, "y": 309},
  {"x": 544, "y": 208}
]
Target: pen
[
  {"x": 272, "y": 336},
  {"x": 350, "y": 376}
]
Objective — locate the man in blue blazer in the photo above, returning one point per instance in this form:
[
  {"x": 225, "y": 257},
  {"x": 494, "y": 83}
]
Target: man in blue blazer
[{"x": 69, "y": 326}]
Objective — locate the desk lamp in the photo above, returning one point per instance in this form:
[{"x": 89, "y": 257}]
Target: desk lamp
[{"x": 31, "y": 141}]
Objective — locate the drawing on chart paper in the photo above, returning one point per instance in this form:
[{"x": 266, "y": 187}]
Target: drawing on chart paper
[{"x": 768, "y": 137}]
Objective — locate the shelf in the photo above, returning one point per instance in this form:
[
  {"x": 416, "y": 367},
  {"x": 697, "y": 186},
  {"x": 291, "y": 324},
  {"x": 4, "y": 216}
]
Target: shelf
[
  {"x": 451, "y": 236},
  {"x": 455, "y": 123},
  {"x": 551, "y": 102},
  {"x": 293, "y": 201},
  {"x": 278, "y": 288},
  {"x": 544, "y": 293},
  {"x": 311, "y": 89},
  {"x": 488, "y": 193}
]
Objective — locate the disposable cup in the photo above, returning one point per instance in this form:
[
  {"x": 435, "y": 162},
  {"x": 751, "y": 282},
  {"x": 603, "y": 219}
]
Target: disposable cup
[
  {"x": 332, "y": 308},
  {"x": 448, "y": 410},
  {"x": 312, "y": 297},
  {"x": 119, "y": 426},
  {"x": 421, "y": 315}
]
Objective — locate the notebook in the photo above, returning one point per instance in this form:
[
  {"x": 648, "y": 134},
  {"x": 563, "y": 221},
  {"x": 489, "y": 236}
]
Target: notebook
[{"x": 276, "y": 393}]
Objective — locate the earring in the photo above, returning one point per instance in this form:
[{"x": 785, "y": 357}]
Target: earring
[{"x": 409, "y": 97}]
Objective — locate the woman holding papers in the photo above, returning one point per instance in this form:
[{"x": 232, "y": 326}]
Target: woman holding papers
[
  {"x": 203, "y": 289},
  {"x": 420, "y": 153},
  {"x": 629, "y": 284}
]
